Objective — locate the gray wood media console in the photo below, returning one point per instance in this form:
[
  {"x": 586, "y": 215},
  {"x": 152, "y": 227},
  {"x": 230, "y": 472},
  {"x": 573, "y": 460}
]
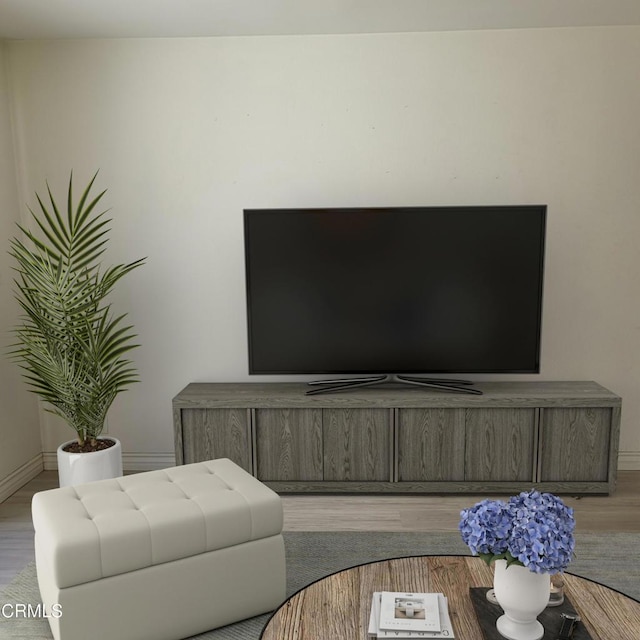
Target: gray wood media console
[{"x": 557, "y": 436}]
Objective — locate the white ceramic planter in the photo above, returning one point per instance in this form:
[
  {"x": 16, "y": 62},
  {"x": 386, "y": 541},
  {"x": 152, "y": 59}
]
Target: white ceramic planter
[
  {"x": 523, "y": 595},
  {"x": 78, "y": 468}
]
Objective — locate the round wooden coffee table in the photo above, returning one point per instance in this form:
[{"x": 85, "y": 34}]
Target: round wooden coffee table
[{"x": 337, "y": 607}]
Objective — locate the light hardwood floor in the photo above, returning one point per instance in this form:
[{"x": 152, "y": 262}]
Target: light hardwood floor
[{"x": 619, "y": 512}]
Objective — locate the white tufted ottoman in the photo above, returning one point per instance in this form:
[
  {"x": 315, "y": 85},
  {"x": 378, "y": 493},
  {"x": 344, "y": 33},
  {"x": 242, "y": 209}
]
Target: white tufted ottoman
[{"x": 159, "y": 555}]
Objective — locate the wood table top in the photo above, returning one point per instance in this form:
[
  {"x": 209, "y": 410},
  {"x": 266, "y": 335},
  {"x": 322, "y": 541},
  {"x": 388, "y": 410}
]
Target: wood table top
[{"x": 337, "y": 607}]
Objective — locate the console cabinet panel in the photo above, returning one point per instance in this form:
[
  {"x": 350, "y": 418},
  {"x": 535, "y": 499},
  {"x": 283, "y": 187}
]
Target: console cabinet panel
[
  {"x": 289, "y": 444},
  {"x": 217, "y": 433},
  {"x": 560, "y": 437},
  {"x": 500, "y": 444},
  {"x": 356, "y": 444},
  {"x": 431, "y": 445},
  {"x": 575, "y": 444}
]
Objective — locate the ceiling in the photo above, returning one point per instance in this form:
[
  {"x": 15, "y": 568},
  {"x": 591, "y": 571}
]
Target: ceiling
[{"x": 36, "y": 19}]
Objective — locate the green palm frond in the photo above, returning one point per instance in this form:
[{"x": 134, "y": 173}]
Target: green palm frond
[{"x": 70, "y": 346}]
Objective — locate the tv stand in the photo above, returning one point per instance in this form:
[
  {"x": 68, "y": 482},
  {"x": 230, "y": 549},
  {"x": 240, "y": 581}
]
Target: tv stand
[
  {"x": 343, "y": 384},
  {"x": 557, "y": 436}
]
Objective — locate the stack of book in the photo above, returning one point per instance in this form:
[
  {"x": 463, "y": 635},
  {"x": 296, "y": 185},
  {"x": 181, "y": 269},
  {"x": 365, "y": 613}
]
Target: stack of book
[{"x": 409, "y": 615}]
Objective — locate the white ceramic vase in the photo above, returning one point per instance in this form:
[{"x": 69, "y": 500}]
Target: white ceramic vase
[
  {"x": 78, "y": 468},
  {"x": 523, "y": 596}
]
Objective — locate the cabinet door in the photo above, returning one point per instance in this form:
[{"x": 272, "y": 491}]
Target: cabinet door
[
  {"x": 500, "y": 444},
  {"x": 216, "y": 433},
  {"x": 575, "y": 444},
  {"x": 357, "y": 444},
  {"x": 431, "y": 445},
  {"x": 289, "y": 444}
]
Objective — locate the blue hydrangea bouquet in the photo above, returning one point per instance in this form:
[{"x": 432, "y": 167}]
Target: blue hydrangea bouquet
[{"x": 532, "y": 529}]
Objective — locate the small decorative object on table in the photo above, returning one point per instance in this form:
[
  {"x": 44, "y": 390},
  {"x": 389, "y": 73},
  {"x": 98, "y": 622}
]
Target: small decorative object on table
[
  {"x": 529, "y": 537},
  {"x": 556, "y": 597}
]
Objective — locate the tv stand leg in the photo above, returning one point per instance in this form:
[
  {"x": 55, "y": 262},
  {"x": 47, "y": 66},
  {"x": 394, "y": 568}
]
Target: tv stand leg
[
  {"x": 347, "y": 383},
  {"x": 343, "y": 384},
  {"x": 436, "y": 380},
  {"x": 444, "y": 385},
  {"x": 334, "y": 381}
]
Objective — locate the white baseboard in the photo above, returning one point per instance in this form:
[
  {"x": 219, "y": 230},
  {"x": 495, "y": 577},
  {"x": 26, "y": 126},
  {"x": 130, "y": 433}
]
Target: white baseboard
[
  {"x": 629, "y": 461},
  {"x": 23, "y": 474},
  {"x": 50, "y": 459},
  {"x": 130, "y": 461},
  {"x": 147, "y": 461}
]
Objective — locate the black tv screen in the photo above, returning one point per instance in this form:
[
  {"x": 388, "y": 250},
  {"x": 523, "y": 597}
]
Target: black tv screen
[{"x": 395, "y": 290}]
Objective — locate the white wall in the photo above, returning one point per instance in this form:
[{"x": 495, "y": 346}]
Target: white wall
[
  {"x": 20, "y": 442},
  {"x": 188, "y": 132}
]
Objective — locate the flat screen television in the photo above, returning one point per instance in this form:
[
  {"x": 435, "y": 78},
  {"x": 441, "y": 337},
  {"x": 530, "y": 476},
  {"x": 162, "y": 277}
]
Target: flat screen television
[{"x": 405, "y": 291}]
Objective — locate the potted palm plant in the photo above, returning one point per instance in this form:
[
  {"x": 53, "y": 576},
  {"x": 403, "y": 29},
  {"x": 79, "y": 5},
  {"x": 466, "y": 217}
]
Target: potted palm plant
[{"x": 70, "y": 345}]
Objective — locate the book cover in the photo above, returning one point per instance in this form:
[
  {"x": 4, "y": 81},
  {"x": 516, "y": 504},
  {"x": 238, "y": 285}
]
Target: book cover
[
  {"x": 409, "y": 611},
  {"x": 445, "y": 623}
]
